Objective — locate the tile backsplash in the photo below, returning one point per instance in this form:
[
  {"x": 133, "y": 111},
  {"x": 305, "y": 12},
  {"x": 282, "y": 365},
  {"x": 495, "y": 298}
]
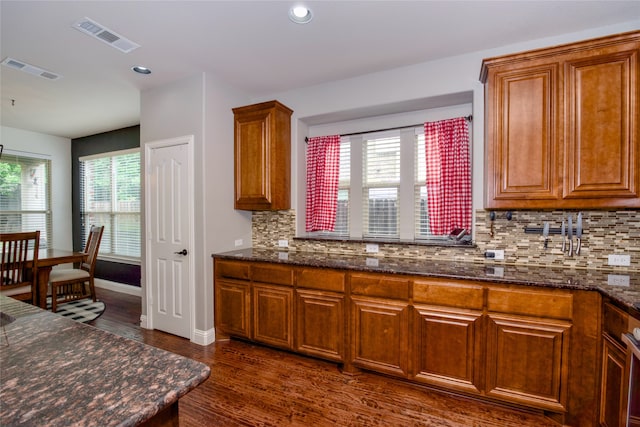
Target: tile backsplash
[{"x": 605, "y": 232}]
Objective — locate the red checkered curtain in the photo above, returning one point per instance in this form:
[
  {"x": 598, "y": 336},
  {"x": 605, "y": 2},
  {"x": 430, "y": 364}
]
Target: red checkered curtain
[
  {"x": 323, "y": 168},
  {"x": 448, "y": 175}
]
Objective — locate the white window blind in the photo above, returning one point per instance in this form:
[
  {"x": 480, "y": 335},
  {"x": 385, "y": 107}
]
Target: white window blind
[
  {"x": 25, "y": 195},
  {"x": 420, "y": 189},
  {"x": 110, "y": 196},
  {"x": 381, "y": 185}
]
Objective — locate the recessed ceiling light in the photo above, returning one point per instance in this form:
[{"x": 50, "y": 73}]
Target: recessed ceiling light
[
  {"x": 141, "y": 70},
  {"x": 300, "y": 14}
]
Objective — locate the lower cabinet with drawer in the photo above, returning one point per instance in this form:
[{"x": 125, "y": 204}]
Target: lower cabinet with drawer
[
  {"x": 448, "y": 334},
  {"x": 528, "y": 343},
  {"x": 380, "y": 323},
  {"x": 320, "y": 319}
]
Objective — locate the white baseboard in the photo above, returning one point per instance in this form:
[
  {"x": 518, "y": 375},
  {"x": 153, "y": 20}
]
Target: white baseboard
[
  {"x": 143, "y": 321},
  {"x": 118, "y": 287},
  {"x": 203, "y": 337}
]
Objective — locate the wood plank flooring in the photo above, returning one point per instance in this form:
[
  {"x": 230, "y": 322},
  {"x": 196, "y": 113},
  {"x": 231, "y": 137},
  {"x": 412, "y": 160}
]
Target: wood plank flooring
[{"x": 251, "y": 385}]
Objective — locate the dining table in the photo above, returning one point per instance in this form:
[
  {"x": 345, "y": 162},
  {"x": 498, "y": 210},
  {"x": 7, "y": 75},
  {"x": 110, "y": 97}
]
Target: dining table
[{"x": 47, "y": 259}]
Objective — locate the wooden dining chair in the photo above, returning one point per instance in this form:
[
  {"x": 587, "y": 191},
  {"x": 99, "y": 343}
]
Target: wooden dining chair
[
  {"x": 19, "y": 265},
  {"x": 77, "y": 283}
]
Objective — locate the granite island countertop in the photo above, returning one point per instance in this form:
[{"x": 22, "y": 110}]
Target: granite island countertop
[
  {"x": 621, "y": 286},
  {"x": 56, "y": 371}
]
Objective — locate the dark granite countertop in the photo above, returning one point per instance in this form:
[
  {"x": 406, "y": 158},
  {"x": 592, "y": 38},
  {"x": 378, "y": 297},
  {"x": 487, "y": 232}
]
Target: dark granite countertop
[
  {"x": 55, "y": 371},
  {"x": 621, "y": 286}
]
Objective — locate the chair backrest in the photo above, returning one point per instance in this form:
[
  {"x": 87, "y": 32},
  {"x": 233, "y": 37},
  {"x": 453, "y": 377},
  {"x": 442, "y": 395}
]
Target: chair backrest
[
  {"x": 19, "y": 259},
  {"x": 91, "y": 248}
]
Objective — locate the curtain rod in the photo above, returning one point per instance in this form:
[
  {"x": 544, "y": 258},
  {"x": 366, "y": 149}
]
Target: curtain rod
[{"x": 306, "y": 138}]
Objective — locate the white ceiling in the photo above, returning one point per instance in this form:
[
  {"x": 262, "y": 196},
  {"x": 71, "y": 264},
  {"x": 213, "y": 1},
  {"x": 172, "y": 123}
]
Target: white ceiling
[{"x": 252, "y": 45}]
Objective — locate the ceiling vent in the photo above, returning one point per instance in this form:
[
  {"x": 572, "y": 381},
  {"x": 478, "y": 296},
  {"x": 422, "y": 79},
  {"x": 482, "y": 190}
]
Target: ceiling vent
[
  {"x": 100, "y": 32},
  {"x": 31, "y": 69}
]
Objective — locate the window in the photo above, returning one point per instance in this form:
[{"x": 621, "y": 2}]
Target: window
[
  {"x": 389, "y": 202},
  {"x": 25, "y": 195},
  {"x": 110, "y": 196}
]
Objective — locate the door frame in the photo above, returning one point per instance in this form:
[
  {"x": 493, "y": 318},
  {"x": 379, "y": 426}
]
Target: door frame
[{"x": 187, "y": 140}]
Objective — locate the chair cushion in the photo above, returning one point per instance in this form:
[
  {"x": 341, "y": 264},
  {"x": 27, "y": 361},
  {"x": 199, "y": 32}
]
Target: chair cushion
[{"x": 61, "y": 275}]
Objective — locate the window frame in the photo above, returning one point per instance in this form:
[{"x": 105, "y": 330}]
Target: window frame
[
  {"x": 46, "y": 235},
  {"x": 111, "y": 230},
  {"x": 408, "y": 223}
]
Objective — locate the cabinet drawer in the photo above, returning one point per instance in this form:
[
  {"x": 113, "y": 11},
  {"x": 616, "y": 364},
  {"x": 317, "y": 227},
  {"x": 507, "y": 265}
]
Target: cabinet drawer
[
  {"x": 380, "y": 286},
  {"x": 325, "y": 280},
  {"x": 549, "y": 304},
  {"x": 449, "y": 294},
  {"x": 232, "y": 270},
  {"x": 272, "y": 274}
]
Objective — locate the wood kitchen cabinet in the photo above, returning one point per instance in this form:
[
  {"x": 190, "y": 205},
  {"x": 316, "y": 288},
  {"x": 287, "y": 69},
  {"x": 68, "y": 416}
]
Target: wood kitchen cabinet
[
  {"x": 380, "y": 323},
  {"x": 254, "y": 301},
  {"x": 272, "y": 290},
  {"x": 448, "y": 315},
  {"x": 528, "y": 342},
  {"x": 232, "y": 293},
  {"x": 612, "y": 397},
  {"x": 533, "y": 347},
  {"x": 561, "y": 128},
  {"x": 613, "y": 385},
  {"x": 262, "y": 156},
  {"x": 320, "y": 321},
  {"x": 273, "y": 315}
]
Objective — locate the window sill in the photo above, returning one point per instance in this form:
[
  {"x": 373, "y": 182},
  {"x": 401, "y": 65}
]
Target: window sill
[{"x": 446, "y": 242}]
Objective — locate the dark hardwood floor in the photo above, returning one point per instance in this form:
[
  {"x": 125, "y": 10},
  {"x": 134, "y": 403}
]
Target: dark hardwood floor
[{"x": 252, "y": 385}]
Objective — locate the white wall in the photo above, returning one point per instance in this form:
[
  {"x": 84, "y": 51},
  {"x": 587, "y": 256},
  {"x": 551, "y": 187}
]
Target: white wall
[
  {"x": 59, "y": 151},
  {"x": 409, "y": 85},
  {"x": 201, "y": 106}
]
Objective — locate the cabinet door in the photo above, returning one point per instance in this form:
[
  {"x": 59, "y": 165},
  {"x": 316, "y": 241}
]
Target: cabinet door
[
  {"x": 380, "y": 335},
  {"x": 612, "y": 396},
  {"x": 447, "y": 348},
  {"x": 320, "y": 324},
  {"x": 262, "y": 156},
  {"x": 601, "y": 134},
  {"x": 527, "y": 361},
  {"x": 522, "y": 146},
  {"x": 232, "y": 308},
  {"x": 272, "y": 315}
]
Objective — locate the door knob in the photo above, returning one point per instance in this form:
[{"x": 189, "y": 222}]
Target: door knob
[{"x": 182, "y": 252}]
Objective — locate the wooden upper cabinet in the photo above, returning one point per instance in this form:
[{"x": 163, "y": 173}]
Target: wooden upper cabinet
[
  {"x": 601, "y": 130},
  {"x": 262, "y": 156},
  {"x": 562, "y": 127}
]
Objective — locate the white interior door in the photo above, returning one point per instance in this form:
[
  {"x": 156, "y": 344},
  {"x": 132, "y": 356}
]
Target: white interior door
[{"x": 169, "y": 236}]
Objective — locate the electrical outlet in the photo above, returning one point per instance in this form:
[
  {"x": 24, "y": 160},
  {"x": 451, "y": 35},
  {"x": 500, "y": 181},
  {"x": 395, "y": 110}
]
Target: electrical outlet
[
  {"x": 494, "y": 271},
  {"x": 620, "y": 260},
  {"x": 618, "y": 280},
  {"x": 238, "y": 242},
  {"x": 372, "y": 248},
  {"x": 372, "y": 262},
  {"x": 497, "y": 254},
  {"x": 283, "y": 243}
]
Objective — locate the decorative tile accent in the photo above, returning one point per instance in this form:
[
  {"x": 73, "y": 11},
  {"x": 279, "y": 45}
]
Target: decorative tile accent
[{"x": 604, "y": 233}]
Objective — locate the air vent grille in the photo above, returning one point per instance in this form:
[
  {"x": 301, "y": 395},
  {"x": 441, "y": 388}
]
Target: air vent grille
[
  {"x": 31, "y": 69},
  {"x": 105, "y": 35}
]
